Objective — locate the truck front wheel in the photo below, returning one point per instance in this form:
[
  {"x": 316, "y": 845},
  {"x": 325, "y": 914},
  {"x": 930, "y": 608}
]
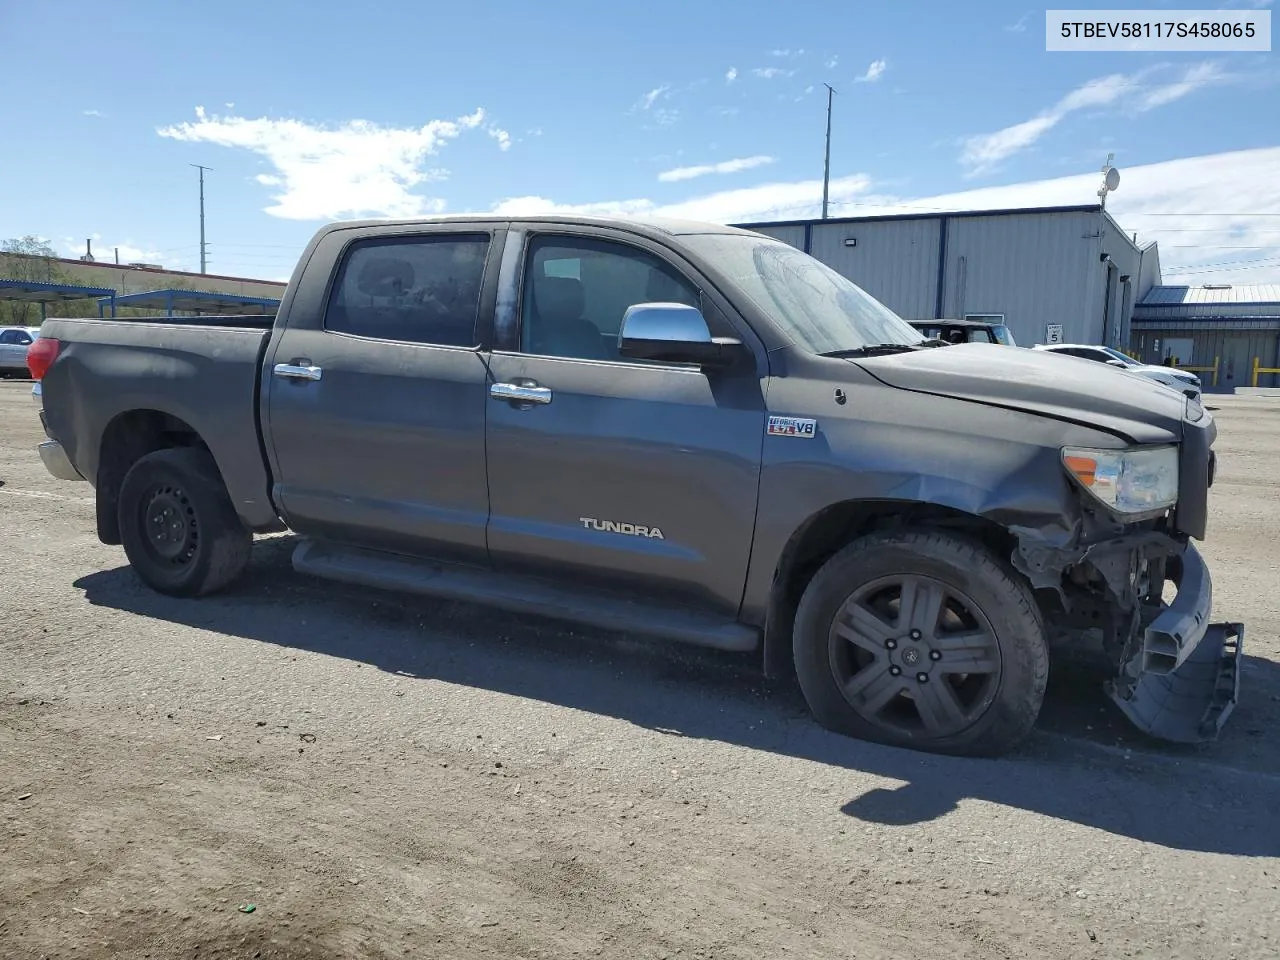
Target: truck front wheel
[
  {"x": 178, "y": 526},
  {"x": 923, "y": 640}
]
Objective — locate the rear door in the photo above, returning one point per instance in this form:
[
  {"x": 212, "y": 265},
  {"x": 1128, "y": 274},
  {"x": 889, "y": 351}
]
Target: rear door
[
  {"x": 375, "y": 400},
  {"x": 636, "y": 475}
]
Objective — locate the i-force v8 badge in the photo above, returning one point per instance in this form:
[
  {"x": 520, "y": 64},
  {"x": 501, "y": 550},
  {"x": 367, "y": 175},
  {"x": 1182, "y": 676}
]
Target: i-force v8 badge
[{"x": 793, "y": 427}]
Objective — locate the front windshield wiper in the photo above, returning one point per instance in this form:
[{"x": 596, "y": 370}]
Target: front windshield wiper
[{"x": 874, "y": 349}]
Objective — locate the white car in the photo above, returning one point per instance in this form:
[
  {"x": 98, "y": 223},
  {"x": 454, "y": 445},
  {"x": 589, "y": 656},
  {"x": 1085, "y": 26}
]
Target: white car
[
  {"x": 1181, "y": 380},
  {"x": 13, "y": 349}
]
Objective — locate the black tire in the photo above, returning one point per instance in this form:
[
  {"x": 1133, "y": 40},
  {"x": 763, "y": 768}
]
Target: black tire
[
  {"x": 971, "y": 683},
  {"x": 201, "y": 546}
]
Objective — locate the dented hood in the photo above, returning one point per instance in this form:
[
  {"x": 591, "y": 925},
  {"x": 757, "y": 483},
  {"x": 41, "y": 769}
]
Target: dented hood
[{"x": 1093, "y": 394}]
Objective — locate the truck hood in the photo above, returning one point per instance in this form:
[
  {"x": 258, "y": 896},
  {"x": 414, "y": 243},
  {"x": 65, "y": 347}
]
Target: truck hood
[{"x": 1131, "y": 406}]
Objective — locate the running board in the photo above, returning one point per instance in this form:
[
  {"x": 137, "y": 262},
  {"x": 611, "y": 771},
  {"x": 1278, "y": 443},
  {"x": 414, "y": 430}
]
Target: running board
[{"x": 519, "y": 594}]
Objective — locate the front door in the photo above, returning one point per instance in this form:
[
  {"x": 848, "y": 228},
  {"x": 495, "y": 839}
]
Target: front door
[
  {"x": 376, "y": 399},
  {"x": 636, "y": 475}
]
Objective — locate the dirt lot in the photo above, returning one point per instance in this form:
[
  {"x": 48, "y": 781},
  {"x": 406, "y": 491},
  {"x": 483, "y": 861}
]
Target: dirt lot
[{"x": 383, "y": 777}]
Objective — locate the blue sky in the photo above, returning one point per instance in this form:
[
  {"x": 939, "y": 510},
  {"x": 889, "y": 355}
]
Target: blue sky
[{"x": 313, "y": 111}]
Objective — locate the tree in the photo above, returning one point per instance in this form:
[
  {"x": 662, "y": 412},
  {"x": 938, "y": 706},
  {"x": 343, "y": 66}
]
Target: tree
[{"x": 31, "y": 259}]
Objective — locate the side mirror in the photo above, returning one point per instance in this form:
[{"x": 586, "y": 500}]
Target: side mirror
[
  {"x": 1116, "y": 363},
  {"x": 675, "y": 333}
]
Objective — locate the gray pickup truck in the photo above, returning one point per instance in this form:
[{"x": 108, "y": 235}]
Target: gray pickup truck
[{"x": 678, "y": 429}]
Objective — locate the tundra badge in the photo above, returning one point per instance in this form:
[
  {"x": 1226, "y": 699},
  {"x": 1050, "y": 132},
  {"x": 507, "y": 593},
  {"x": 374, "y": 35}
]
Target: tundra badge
[{"x": 631, "y": 529}]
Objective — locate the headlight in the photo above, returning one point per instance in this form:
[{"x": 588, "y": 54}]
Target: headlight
[{"x": 1141, "y": 480}]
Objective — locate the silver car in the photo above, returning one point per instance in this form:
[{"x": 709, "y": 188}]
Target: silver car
[
  {"x": 1180, "y": 380},
  {"x": 13, "y": 349}
]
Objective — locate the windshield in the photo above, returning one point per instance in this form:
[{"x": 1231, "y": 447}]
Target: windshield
[
  {"x": 1003, "y": 335},
  {"x": 820, "y": 310}
]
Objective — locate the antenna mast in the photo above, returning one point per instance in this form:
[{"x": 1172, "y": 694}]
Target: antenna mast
[
  {"x": 204, "y": 249},
  {"x": 826, "y": 166}
]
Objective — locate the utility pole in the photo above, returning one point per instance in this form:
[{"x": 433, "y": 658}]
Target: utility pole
[
  {"x": 826, "y": 166},
  {"x": 204, "y": 250}
]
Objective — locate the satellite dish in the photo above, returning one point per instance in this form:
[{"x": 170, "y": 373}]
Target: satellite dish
[{"x": 1110, "y": 179}]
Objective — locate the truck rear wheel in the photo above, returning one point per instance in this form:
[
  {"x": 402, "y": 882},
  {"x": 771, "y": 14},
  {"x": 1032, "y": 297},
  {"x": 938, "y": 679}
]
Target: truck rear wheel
[
  {"x": 923, "y": 640},
  {"x": 178, "y": 526}
]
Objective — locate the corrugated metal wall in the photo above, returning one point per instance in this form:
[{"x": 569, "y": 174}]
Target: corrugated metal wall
[
  {"x": 1126, "y": 262},
  {"x": 1149, "y": 272},
  {"x": 896, "y": 261},
  {"x": 1233, "y": 349},
  {"x": 792, "y": 235},
  {"x": 1035, "y": 269}
]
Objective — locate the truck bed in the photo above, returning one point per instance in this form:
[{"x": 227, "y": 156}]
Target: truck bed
[{"x": 201, "y": 371}]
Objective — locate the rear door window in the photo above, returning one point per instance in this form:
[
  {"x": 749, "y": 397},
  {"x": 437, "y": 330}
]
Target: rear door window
[{"x": 420, "y": 289}]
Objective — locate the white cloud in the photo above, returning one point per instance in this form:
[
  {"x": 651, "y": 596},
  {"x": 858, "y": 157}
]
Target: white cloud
[
  {"x": 833, "y": 63},
  {"x": 724, "y": 166},
  {"x": 731, "y": 75},
  {"x": 94, "y": 113},
  {"x": 1194, "y": 77},
  {"x": 983, "y": 152},
  {"x": 74, "y": 247},
  {"x": 768, "y": 73},
  {"x": 501, "y": 136},
  {"x": 875, "y": 70},
  {"x": 1020, "y": 26},
  {"x": 764, "y": 202},
  {"x": 783, "y": 54},
  {"x": 652, "y": 97},
  {"x": 1192, "y": 206},
  {"x": 353, "y": 169}
]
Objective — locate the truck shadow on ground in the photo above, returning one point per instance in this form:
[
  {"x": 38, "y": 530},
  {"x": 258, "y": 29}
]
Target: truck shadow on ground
[{"x": 1084, "y": 764}]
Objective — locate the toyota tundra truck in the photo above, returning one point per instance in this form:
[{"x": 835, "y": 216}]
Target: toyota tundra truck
[{"x": 675, "y": 429}]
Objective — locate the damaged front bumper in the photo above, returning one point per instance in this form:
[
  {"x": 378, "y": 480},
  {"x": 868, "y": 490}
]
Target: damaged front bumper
[{"x": 1181, "y": 680}]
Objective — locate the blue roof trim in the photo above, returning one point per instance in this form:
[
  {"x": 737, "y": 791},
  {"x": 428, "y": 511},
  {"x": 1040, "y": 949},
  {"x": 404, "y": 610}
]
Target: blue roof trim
[{"x": 36, "y": 286}]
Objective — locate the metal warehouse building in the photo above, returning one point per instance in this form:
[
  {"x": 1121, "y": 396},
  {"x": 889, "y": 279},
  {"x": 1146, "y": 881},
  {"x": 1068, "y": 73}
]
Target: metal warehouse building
[
  {"x": 1052, "y": 274},
  {"x": 1222, "y": 331}
]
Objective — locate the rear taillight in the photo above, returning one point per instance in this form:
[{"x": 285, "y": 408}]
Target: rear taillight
[{"x": 40, "y": 356}]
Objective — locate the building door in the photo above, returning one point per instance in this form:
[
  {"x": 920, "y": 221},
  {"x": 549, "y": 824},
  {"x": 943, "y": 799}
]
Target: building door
[{"x": 1236, "y": 364}]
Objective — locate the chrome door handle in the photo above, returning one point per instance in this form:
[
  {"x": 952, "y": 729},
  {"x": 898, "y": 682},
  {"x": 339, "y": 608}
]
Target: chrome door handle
[
  {"x": 520, "y": 393},
  {"x": 297, "y": 371}
]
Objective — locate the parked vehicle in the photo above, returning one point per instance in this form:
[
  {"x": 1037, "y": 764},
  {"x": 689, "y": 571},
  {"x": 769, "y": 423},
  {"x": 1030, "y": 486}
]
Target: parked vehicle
[
  {"x": 965, "y": 331},
  {"x": 679, "y": 429},
  {"x": 13, "y": 349},
  {"x": 1184, "y": 382}
]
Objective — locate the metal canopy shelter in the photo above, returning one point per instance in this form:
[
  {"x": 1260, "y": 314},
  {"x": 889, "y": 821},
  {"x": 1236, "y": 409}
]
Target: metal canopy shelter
[
  {"x": 33, "y": 291},
  {"x": 191, "y": 301}
]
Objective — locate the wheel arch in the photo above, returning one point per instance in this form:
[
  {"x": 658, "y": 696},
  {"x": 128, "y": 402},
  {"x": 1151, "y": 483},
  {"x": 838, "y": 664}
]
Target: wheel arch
[
  {"x": 825, "y": 532},
  {"x": 127, "y": 438}
]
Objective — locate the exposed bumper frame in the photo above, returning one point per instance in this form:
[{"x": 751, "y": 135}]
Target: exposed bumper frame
[{"x": 1183, "y": 680}]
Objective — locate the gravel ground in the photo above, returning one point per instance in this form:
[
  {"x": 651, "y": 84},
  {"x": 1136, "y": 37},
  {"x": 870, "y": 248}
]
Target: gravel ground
[{"x": 381, "y": 777}]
